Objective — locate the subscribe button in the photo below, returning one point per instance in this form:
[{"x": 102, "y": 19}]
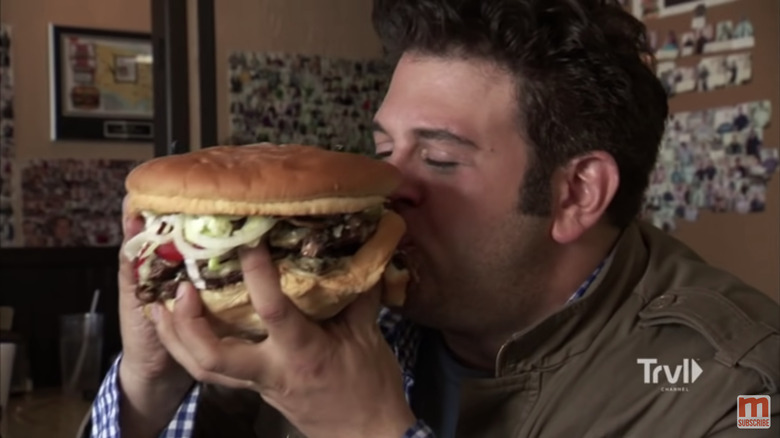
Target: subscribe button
[{"x": 753, "y": 412}]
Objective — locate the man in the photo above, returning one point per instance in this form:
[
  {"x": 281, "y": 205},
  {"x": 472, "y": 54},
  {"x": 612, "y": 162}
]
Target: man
[{"x": 526, "y": 131}]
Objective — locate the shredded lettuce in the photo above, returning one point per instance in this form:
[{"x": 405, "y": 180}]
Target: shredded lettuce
[
  {"x": 216, "y": 264},
  {"x": 212, "y": 226},
  {"x": 217, "y": 231}
]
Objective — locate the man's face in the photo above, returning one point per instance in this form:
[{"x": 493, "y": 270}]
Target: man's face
[{"x": 451, "y": 127}]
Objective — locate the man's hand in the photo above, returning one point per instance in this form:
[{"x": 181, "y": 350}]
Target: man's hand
[
  {"x": 335, "y": 379},
  {"x": 152, "y": 383}
]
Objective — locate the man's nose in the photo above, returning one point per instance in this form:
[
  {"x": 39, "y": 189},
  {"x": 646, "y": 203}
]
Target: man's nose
[
  {"x": 409, "y": 194},
  {"x": 403, "y": 198}
]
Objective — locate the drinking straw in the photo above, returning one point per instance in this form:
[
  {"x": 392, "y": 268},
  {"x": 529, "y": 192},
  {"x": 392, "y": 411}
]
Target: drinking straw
[{"x": 85, "y": 340}]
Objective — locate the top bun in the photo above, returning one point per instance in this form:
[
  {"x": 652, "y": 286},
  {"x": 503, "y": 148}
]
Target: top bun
[{"x": 260, "y": 179}]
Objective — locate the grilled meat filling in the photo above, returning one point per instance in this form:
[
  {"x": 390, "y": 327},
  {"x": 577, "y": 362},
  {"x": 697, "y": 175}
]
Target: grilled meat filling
[{"x": 315, "y": 244}]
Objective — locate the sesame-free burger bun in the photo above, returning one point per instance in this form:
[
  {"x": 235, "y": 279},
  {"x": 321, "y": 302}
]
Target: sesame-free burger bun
[{"x": 260, "y": 179}]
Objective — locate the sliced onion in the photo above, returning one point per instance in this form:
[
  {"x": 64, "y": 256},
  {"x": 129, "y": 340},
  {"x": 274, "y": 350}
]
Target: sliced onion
[
  {"x": 134, "y": 245},
  {"x": 251, "y": 231},
  {"x": 189, "y": 251},
  {"x": 147, "y": 250},
  {"x": 186, "y": 241},
  {"x": 164, "y": 222},
  {"x": 194, "y": 273}
]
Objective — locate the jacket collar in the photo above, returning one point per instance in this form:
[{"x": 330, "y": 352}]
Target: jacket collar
[{"x": 572, "y": 329}]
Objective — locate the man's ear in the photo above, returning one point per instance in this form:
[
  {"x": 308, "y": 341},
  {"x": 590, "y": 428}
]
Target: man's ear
[{"x": 582, "y": 191}]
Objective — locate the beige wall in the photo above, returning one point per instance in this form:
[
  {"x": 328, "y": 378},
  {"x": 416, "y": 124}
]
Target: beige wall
[
  {"x": 334, "y": 28},
  {"x": 30, "y": 21}
]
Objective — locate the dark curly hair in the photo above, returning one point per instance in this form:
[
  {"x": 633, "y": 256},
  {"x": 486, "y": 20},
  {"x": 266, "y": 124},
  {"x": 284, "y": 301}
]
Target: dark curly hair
[{"x": 584, "y": 80}]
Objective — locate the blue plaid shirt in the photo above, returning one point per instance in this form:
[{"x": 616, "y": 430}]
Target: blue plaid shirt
[{"x": 402, "y": 335}]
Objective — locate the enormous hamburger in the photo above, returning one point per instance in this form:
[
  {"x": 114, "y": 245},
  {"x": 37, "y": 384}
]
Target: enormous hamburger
[{"x": 321, "y": 214}]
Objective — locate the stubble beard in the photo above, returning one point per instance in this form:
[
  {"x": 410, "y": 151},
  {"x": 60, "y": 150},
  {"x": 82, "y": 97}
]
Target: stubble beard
[{"x": 497, "y": 288}]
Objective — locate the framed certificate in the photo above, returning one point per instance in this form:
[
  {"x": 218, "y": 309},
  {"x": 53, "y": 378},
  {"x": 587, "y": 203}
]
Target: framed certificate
[{"x": 102, "y": 85}]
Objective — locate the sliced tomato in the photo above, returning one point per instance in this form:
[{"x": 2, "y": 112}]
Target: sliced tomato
[{"x": 169, "y": 252}]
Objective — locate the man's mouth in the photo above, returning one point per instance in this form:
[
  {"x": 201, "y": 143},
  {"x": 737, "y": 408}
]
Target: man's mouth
[{"x": 409, "y": 253}]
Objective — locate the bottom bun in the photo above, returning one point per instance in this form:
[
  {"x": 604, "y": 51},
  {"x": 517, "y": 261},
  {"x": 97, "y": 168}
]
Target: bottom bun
[{"x": 230, "y": 311}]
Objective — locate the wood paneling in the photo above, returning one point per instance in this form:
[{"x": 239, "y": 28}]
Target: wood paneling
[{"x": 42, "y": 284}]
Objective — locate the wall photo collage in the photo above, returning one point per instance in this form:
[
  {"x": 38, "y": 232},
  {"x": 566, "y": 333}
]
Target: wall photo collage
[
  {"x": 713, "y": 160},
  {"x": 695, "y": 59},
  {"x": 317, "y": 100},
  {"x": 653, "y": 9},
  {"x": 64, "y": 206}
]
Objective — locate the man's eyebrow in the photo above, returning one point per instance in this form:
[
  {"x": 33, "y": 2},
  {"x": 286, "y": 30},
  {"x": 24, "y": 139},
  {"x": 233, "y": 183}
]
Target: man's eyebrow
[
  {"x": 436, "y": 134},
  {"x": 443, "y": 135}
]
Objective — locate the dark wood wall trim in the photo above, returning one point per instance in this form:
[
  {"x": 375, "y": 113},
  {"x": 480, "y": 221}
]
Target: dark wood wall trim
[
  {"x": 207, "y": 68},
  {"x": 171, "y": 77},
  {"x": 64, "y": 256}
]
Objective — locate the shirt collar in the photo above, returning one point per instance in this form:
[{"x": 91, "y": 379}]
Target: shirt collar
[{"x": 583, "y": 289}]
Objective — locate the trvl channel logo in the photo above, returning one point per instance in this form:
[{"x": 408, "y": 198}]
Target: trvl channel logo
[
  {"x": 753, "y": 412},
  {"x": 671, "y": 377}
]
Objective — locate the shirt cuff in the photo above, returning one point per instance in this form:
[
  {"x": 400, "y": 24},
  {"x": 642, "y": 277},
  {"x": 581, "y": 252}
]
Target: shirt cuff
[
  {"x": 419, "y": 430},
  {"x": 105, "y": 410}
]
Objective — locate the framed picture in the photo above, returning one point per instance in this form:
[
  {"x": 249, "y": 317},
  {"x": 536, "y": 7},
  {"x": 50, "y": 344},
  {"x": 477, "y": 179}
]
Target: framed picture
[{"x": 101, "y": 85}]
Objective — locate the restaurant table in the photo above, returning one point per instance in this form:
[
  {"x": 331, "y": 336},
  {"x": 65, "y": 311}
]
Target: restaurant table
[{"x": 44, "y": 413}]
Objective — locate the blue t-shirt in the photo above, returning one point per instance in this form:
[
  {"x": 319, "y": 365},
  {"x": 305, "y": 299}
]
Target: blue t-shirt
[{"x": 438, "y": 376}]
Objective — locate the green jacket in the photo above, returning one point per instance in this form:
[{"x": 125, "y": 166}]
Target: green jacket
[{"x": 662, "y": 345}]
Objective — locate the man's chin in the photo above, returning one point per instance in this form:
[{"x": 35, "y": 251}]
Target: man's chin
[
  {"x": 419, "y": 303},
  {"x": 422, "y": 299}
]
